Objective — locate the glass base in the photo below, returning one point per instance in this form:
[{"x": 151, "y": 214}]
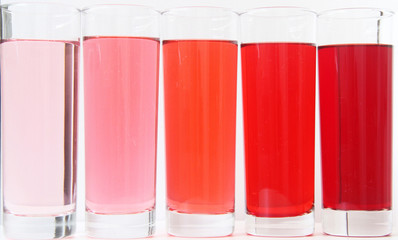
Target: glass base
[
  {"x": 281, "y": 227},
  {"x": 137, "y": 225},
  {"x": 24, "y": 227},
  {"x": 357, "y": 223},
  {"x": 199, "y": 225}
]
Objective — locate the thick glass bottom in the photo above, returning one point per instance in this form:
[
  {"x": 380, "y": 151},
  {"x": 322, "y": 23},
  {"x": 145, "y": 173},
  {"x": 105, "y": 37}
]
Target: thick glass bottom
[
  {"x": 357, "y": 223},
  {"x": 199, "y": 225},
  {"x": 29, "y": 227},
  {"x": 281, "y": 227},
  {"x": 136, "y": 225}
]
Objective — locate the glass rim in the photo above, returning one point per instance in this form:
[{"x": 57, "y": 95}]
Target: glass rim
[
  {"x": 86, "y": 9},
  {"x": 262, "y": 12},
  {"x": 185, "y": 11},
  {"x": 70, "y": 9},
  {"x": 345, "y": 13}
]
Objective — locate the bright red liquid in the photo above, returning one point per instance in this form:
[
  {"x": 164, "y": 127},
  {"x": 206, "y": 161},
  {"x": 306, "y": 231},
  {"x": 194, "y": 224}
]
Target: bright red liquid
[
  {"x": 200, "y": 111},
  {"x": 279, "y": 123},
  {"x": 355, "y": 102}
]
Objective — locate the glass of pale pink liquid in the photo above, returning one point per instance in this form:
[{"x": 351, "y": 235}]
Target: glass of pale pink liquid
[
  {"x": 121, "y": 60},
  {"x": 39, "y": 59}
]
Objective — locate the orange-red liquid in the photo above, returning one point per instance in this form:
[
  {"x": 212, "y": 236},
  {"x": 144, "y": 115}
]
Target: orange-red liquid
[
  {"x": 200, "y": 111},
  {"x": 279, "y": 118}
]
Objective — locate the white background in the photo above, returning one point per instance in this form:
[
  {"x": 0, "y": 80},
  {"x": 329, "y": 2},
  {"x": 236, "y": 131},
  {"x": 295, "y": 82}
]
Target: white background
[{"x": 238, "y": 5}]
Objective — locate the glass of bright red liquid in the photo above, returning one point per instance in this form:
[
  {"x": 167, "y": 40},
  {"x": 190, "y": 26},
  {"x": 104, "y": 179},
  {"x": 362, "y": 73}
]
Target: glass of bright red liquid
[
  {"x": 200, "y": 69},
  {"x": 121, "y": 61},
  {"x": 355, "y": 88},
  {"x": 278, "y": 81}
]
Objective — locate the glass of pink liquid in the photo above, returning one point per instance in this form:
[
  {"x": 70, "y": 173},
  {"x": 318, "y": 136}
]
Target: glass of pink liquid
[
  {"x": 121, "y": 61},
  {"x": 355, "y": 89},
  {"x": 278, "y": 79},
  {"x": 39, "y": 63},
  {"x": 200, "y": 64}
]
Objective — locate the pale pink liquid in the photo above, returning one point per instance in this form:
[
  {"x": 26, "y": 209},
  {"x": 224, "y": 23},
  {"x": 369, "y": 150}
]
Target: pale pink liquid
[
  {"x": 38, "y": 85},
  {"x": 121, "y": 84}
]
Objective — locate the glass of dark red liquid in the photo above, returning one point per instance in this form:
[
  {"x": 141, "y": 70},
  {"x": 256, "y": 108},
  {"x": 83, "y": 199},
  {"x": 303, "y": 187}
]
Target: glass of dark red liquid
[
  {"x": 278, "y": 79},
  {"x": 200, "y": 68},
  {"x": 355, "y": 88}
]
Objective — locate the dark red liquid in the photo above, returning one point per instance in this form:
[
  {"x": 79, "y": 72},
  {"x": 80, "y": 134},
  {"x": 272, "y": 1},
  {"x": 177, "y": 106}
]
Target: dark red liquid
[
  {"x": 279, "y": 123},
  {"x": 355, "y": 106}
]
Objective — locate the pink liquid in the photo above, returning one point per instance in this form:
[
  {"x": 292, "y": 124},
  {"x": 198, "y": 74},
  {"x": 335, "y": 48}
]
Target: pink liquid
[
  {"x": 121, "y": 84},
  {"x": 38, "y": 125}
]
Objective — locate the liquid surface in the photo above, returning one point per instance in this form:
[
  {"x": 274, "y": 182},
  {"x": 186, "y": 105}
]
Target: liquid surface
[
  {"x": 355, "y": 83},
  {"x": 200, "y": 110},
  {"x": 121, "y": 85},
  {"x": 279, "y": 124},
  {"x": 38, "y": 88}
]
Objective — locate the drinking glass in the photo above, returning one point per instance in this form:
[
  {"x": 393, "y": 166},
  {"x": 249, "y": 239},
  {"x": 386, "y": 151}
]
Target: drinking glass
[
  {"x": 39, "y": 69},
  {"x": 200, "y": 68},
  {"x": 355, "y": 87},
  {"x": 121, "y": 61},
  {"x": 278, "y": 81}
]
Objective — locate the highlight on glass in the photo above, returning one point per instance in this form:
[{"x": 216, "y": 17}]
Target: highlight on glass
[
  {"x": 39, "y": 69},
  {"x": 355, "y": 87},
  {"x": 278, "y": 81},
  {"x": 200, "y": 66},
  {"x": 121, "y": 62}
]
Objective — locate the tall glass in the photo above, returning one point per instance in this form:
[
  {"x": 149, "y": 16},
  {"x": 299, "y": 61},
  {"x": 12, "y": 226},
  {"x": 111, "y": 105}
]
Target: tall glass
[
  {"x": 200, "y": 67},
  {"x": 121, "y": 61},
  {"x": 355, "y": 87},
  {"x": 278, "y": 80},
  {"x": 39, "y": 69}
]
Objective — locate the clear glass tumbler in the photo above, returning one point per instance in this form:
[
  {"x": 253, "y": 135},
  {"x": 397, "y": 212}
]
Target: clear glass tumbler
[
  {"x": 121, "y": 62},
  {"x": 278, "y": 80},
  {"x": 355, "y": 88},
  {"x": 200, "y": 66},
  {"x": 39, "y": 69}
]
